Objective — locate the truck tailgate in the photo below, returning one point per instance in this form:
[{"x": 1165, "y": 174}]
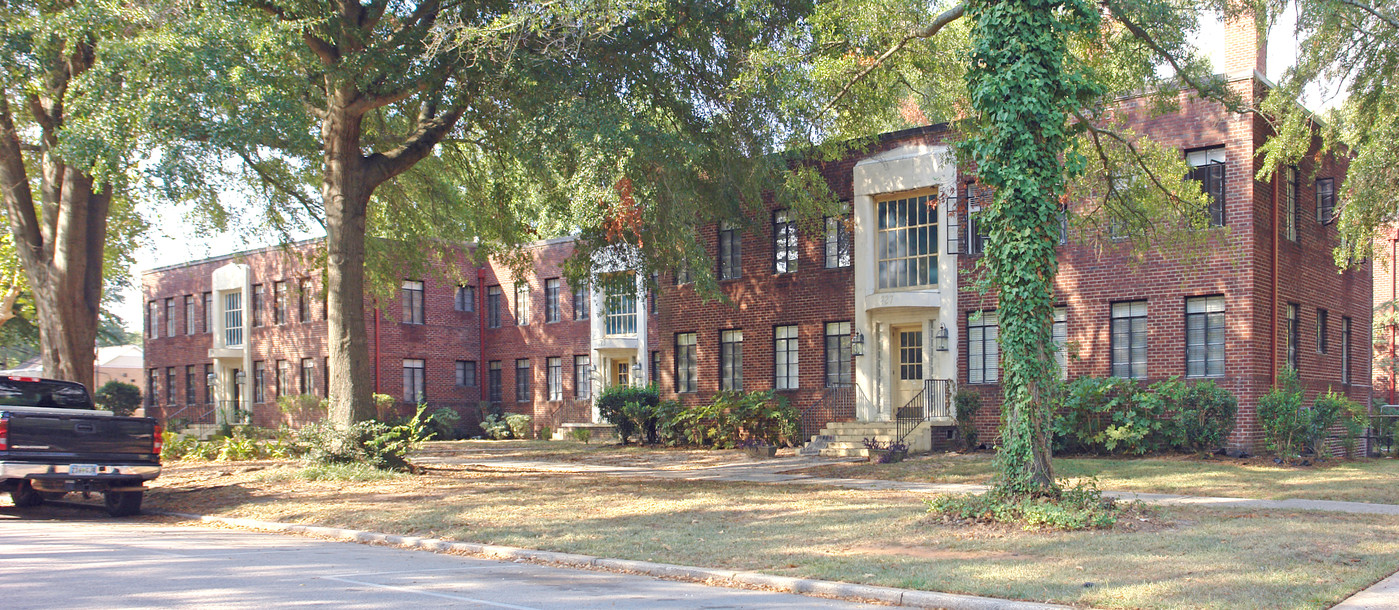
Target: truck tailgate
[{"x": 91, "y": 437}]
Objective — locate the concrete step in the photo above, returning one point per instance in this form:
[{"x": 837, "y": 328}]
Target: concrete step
[{"x": 835, "y": 452}]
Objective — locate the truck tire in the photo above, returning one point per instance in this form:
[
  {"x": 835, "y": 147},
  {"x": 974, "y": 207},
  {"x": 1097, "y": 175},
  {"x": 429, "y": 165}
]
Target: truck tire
[
  {"x": 24, "y": 496},
  {"x": 123, "y": 503}
]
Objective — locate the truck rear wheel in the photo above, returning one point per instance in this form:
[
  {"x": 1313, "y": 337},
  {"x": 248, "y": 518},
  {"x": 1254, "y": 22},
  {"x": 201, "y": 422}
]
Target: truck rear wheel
[
  {"x": 123, "y": 503},
  {"x": 24, "y": 495}
]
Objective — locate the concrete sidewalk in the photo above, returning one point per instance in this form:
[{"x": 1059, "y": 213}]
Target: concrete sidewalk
[{"x": 777, "y": 471}]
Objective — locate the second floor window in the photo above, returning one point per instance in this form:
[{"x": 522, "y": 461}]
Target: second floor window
[
  {"x": 1129, "y": 340},
  {"x": 784, "y": 242},
  {"x": 784, "y": 349},
  {"x": 1209, "y": 172},
  {"x": 522, "y": 304},
  {"x": 1289, "y": 208},
  {"x": 581, "y": 303},
  {"x": 303, "y": 303},
  {"x": 837, "y": 242},
  {"x": 279, "y": 302},
  {"x": 412, "y": 302},
  {"x": 208, "y": 312},
  {"x": 620, "y": 316},
  {"x": 170, "y": 317},
  {"x": 191, "y": 315},
  {"x": 258, "y": 298},
  {"x": 1204, "y": 337},
  {"x": 551, "y": 300},
  {"x": 686, "y": 363},
  {"x": 233, "y": 319},
  {"x": 414, "y": 380},
  {"x": 466, "y": 298},
  {"x": 493, "y": 295},
  {"x": 152, "y": 320},
  {"x": 907, "y": 242},
  {"x": 731, "y": 360},
  {"x": 1325, "y": 200},
  {"x": 730, "y": 252}
]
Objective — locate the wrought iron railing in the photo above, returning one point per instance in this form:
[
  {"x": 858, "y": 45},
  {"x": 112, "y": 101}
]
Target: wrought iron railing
[
  {"x": 223, "y": 411},
  {"x": 836, "y": 403},
  {"x": 934, "y": 401},
  {"x": 569, "y": 411}
]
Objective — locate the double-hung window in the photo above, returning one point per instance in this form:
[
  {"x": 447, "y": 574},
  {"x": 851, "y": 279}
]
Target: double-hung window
[
  {"x": 731, "y": 360},
  {"x": 522, "y": 303},
  {"x": 284, "y": 385},
  {"x": 522, "y": 381},
  {"x": 839, "y": 371},
  {"x": 308, "y": 376},
  {"x": 1325, "y": 200},
  {"x": 1345, "y": 350},
  {"x": 784, "y": 242},
  {"x": 466, "y": 298},
  {"x": 191, "y": 315},
  {"x": 208, "y": 384},
  {"x": 1129, "y": 340},
  {"x": 170, "y": 317},
  {"x": 152, "y": 320},
  {"x": 907, "y": 242},
  {"x": 1293, "y": 329},
  {"x": 279, "y": 302},
  {"x": 983, "y": 347},
  {"x": 837, "y": 241},
  {"x": 785, "y": 373},
  {"x": 170, "y": 385},
  {"x": 1204, "y": 336},
  {"x": 620, "y": 302},
  {"x": 581, "y": 302},
  {"x": 551, "y": 300},
  {"x": 233, "y": 319},
  {"x": 414, "y": 380},
  {"x": 190, "y": 395},
  {"x": 258, "y": 299},
  {"x": 303, "y": 309},
  {"x": 208, "y": 312},
  {"x": 582, "y": 377},
  {"x": 466, "y": 373},
  {"x": 730, "y": 252},
  {"x": 493, "y": 307},
  {"x": 493, "y": 380},
  {"x": 412, "y": 302},
  {"x": 686, "y": 362},
  {"x": 1208, "y": 170},
  {"x": 553, "y": 377},
  {"x": 259, "y": 381},
  {"x": 1321, "y": 331},
  {"x": 1060, "y": 335},
  {"x": 1289, "y": 208}
]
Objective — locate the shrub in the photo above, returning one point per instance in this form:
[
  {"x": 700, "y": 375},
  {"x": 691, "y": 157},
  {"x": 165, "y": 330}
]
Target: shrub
[
  {"x": 735, "y": 416},
  {"x": 176, "y": 446},
  {"x": 1202, "y": 413},
  {"x": 545, "y": 433},
  {"x": 582, "y": 435},
  {"x": 443, "y": 423},
  {"x": 520, "y": 425},
  {"x": 1109, "y": 415},
  {"x": 238, "y": 447},
  {"x": 967, "y": 403},
  {"x": 495, "y": 427},
  {"x": 383, "y": 406},
  {"x": 1332, "y": 408},
  {"x": 387, "y": 447},
  {"x": 303, "y": 406},
  {"x": 1078, "y": 507},
  {"x": 1285, "y": 425},
  {"x": 120, "y": 398},
  {"x": 629, "y": 421}
]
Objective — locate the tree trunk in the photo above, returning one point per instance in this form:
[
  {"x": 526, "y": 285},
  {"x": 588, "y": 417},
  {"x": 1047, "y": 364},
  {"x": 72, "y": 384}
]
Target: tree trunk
[{"x": 345, "y": 192}]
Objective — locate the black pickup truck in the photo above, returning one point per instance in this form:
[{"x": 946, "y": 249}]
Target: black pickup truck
[{"x": 54, "y": 440}]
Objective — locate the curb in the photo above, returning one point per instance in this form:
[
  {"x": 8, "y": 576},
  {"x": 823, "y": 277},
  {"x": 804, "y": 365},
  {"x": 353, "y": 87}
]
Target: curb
[{"x": 710, "y": 576}]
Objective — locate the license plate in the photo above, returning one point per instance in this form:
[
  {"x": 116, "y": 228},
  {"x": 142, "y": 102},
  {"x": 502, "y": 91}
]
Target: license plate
[{"x": 82, "y": 470}]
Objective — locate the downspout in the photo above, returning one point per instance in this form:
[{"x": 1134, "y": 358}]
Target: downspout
[
  {"x": 376, "y": 345},
  {"x": 1273, "y": 324}
]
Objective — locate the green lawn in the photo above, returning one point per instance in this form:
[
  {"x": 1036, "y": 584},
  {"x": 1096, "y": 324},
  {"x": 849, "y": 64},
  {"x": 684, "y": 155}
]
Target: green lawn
[
  {"x": 1180, "y": 558},
  {"x": 1369, "y": 480}
]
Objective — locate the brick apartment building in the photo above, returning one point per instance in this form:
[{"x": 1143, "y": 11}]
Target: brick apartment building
[
  {"x": 1386, "y": 337},
  {"x": 856, "y": 322}
]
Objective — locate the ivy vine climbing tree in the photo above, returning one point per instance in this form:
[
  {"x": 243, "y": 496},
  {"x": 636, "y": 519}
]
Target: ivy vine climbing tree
[{"x": 1022, "y": 90}]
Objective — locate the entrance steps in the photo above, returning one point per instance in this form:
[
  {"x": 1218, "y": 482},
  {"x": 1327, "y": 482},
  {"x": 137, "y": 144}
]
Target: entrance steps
[{"x": 847, "y": 439}]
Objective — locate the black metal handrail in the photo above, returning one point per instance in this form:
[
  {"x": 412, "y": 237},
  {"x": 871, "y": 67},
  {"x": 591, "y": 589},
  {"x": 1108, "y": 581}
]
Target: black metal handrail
[
  {"x": 836, "y": 402},
  {"x": 569, "y": 408},
  {"x": 934, "y": 401}
]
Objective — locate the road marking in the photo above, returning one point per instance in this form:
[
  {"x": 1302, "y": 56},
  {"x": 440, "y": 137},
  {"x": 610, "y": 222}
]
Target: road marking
[{"x": 461, "y": 598}]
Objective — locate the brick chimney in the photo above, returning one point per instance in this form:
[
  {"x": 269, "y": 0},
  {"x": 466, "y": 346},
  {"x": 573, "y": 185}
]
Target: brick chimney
[{"x": 1245, "y": 44}]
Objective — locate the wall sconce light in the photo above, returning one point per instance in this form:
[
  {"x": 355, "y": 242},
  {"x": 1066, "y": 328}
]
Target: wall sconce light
[
  {"x": 857, "y": 343},
  {"x": 241, "y": 378},
  {"x": 636, "y": 374},
  {"x": 212, "y": 378},
  {"x": 942, "y": 338}
]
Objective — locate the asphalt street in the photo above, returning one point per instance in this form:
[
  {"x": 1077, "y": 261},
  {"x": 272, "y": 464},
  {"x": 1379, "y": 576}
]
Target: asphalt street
[{"x": 64, "y": 557}]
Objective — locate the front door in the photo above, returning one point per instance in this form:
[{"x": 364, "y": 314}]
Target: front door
[
  {"x": 621, "y": 372},
  {"x": 908, "y": 375}
]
